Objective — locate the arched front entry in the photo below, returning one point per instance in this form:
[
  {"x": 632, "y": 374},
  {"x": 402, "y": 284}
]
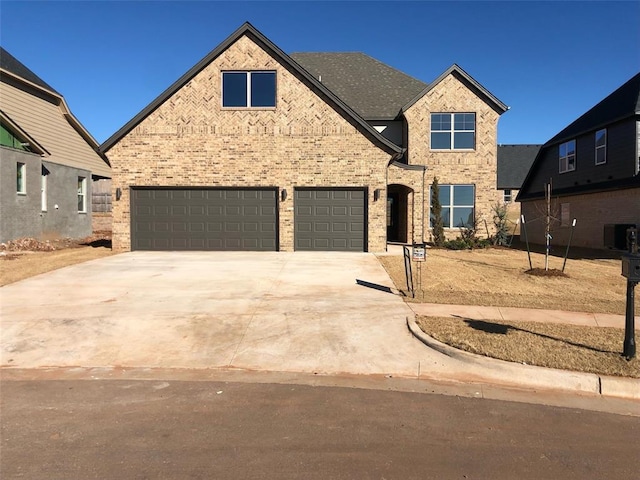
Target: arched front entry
[{"x": 399, "y": 226}]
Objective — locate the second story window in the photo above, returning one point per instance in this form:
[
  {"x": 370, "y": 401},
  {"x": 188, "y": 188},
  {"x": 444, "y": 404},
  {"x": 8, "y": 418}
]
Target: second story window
[
  {"x": 453, "y": 131},
  {"x": 601, "y": 146},
  {"x": 249, "y": 89},
  {"x": 567, "y": 156}
]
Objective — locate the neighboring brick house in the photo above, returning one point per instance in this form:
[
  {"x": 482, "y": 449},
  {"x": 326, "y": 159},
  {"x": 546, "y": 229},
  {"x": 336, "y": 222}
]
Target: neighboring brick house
[
  {"x": 48, "y": 161},
  {"x": 593, "y": 167},
  {"x": 514, "y": 162},
  {"x": 253, "y": 149}
]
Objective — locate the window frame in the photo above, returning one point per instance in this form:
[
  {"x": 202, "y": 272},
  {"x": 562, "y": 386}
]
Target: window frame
[
  {"x": 507, "y": 195},
  {"x": 82, "y": 194},
  {"x": 602, "y": 147},
  {"x": 568, "y": 158},
  {"x": 21, "y": 178},
  {"x": 451, "y": 205},
  {"x": 43, "y": 190},
  {"x": 452, "y": 131},
  {"x": 249, "y": 94}
]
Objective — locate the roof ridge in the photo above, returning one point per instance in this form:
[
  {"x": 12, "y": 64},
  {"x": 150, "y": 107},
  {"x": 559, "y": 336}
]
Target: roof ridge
[{"x": 14, "y": 66}]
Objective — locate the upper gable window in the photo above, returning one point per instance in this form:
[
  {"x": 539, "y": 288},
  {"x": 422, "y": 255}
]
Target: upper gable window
[
  {"x": 249, "y": 89},
  {"x": 568, "y": 156},
  {"x": 453, "y": 131},
  {"x": 601, "y": 146}
]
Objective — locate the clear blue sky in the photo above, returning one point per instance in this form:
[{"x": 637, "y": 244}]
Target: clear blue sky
[{"x": 549, "y": 61}]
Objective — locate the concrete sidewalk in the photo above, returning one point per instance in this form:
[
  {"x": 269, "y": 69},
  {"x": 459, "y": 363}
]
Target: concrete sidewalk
[{"x": 521, "y": 314}]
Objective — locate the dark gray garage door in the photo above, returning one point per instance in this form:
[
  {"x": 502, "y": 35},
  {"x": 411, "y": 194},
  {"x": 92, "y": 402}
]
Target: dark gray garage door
[
  {"x": 203, "y": 219},
  {"x": 330, "y": 219}
]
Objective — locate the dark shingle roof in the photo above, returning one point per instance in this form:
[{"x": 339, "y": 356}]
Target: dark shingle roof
[
  {"x": 622, "y": 103},
  {"x": 11, "y": 64},
  {"x": 514, "y": 162},
  {"x": 374, "y": 90}
]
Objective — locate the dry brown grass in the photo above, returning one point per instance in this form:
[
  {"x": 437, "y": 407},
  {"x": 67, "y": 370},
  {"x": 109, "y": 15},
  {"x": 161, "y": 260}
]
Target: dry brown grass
[
  {"x": 496, "y": 277},
  {"x": 583, "y": 349},
  {"x": 16, "y": 266}
]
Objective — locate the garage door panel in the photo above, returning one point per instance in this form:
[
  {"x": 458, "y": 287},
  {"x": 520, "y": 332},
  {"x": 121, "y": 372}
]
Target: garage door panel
[
  {"x": 205, "y": 219},
  {"x": 330, "y": 219}
]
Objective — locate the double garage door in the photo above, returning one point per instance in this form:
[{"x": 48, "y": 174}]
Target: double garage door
[{"x": 245, "y": 219}]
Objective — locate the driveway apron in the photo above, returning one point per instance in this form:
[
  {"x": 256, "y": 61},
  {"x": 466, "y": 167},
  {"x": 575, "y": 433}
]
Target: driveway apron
[{"x": 321, "y": 312}]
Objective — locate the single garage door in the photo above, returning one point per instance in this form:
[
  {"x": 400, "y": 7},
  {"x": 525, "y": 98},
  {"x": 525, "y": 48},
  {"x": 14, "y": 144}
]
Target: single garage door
[
  {"x": 330, "y": 219},
  {"x": 203, "y": 219}
]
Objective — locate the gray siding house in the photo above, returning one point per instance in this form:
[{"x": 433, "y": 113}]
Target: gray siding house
[
  {"x": 593, "y": 167},
  {"x": 48, "y": 161}
]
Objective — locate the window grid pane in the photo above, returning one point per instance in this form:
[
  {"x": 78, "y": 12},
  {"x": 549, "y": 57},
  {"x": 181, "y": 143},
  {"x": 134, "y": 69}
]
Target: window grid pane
[
  {"x": 458, "y": 205},
  {"x": 234, "y": 89},
  {"x": 453, "y": 131},
  {"x": 263, "y": 89}
]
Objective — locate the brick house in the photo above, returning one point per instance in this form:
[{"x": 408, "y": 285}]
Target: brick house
[
  {"x": 253, "y": 149},
  {"x": 593, "y": 167},
  {"x": 514, "y": 162},
  {"x": 49, "y": 163}
]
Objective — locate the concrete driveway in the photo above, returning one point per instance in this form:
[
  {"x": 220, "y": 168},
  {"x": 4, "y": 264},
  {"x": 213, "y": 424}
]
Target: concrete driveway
[{"x": 303, "y": 312}]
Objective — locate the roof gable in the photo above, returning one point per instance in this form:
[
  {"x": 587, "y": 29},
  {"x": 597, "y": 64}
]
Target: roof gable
[
  {"x": 469, "y": 81},
  {"x": 375, "y": 90},
  {"x": 248, "y": 30},
  {"x": 624, "y": 102},
  {"x": 621, "y": 104}
]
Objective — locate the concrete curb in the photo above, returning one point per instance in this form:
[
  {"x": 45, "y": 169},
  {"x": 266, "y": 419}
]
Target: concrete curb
[{"x": 508, "y": 373}]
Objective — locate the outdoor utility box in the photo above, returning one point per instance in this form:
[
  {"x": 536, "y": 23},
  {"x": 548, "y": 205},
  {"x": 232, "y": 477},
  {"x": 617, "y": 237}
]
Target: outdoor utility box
[
  {"x": 631, "y": 266},
  {"x": 615, "y": 235}
]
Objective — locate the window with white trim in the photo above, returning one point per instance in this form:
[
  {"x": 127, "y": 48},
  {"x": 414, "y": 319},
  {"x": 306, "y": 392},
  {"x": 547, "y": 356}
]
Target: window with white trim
[
  {"x": 601, "y": 146},
  {"x": 43, "y": 189},
  {"x": 458, "y": 205},
  {"x": 453, "y": 131},
  {"x": 507, "y": 195},
  {"x": 21, "y": 178},
  {"x": 249, "y": 89},
  {"x": 567, "y": 156},
  {"x": 82, "y": 195}
]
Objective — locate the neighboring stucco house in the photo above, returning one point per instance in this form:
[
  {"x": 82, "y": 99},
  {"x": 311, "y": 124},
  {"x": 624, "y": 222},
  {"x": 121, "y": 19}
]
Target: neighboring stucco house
[
  {"x": 253, "y": 149},
  {"x": 48, "y": 161},
  {"x": 593, "y": 167}
]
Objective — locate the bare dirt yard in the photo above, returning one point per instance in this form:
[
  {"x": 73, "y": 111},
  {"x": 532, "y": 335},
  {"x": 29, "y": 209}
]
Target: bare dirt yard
[
  {"x": 26, "y": 257},
  {"x": 501, "y": 277}
]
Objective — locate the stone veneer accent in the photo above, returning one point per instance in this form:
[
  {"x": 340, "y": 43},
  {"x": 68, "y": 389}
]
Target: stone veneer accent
[
  {"x": 477, "y": 167},
  {"x": 190, "y": 140},
  {"x": 591, "y": 210}
]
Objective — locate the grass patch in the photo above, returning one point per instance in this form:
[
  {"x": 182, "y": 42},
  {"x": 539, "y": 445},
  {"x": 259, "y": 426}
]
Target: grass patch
[
  {"x": 502, "y": 277},
  {"x": 581, "y": 349}
]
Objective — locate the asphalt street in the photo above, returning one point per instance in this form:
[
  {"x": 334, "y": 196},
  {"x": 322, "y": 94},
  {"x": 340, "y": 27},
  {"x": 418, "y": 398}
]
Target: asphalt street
[{"x": 174, "y": 429}]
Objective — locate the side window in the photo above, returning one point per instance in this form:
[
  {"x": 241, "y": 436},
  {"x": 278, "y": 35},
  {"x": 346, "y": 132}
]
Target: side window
[
  {"x": 567, "y": 156},
  {"x": 21, "y": 178},
  {"x": 601, "y": 146},
  {"x": 82, "y": 194}
]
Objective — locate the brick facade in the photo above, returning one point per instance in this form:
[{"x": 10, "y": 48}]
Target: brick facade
[
  {"x": 190, "y": 140},
  {"x": 477, "y": 167},
  {"x": 592, "y": 211}
]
